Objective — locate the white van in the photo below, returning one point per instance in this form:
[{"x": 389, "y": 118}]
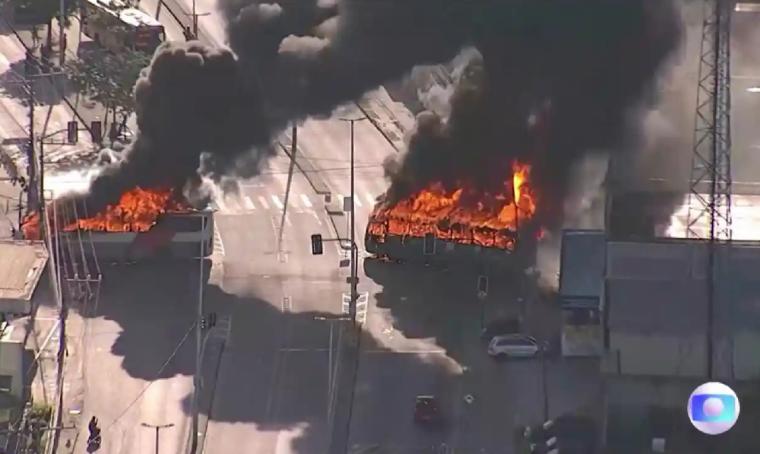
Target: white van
[{"x": 514, "y": 345}]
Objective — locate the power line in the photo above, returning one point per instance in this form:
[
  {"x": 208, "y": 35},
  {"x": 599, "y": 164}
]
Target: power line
[{"x": 160, "y": 371}]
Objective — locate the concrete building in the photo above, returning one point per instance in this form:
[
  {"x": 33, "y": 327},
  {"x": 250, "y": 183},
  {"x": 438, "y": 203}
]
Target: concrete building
[
  {"x": 581, "y": 291},
  {"x": 21, "y": 266},
  {"x": 651, "y": 297}
]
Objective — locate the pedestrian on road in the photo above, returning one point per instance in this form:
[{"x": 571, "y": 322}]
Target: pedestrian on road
[{"x": 93, "y": 426}]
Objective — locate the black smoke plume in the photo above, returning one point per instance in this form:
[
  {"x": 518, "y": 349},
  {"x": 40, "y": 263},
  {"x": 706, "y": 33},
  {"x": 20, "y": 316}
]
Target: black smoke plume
[{"x": 580, "y": 64}]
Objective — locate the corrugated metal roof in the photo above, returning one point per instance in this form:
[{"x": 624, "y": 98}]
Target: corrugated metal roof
[
  {"x": 21, "y": 266},
  {"x": 582, "y": 263}
]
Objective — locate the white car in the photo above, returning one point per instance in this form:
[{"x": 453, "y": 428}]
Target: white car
[{"x": 514, "y": 345}]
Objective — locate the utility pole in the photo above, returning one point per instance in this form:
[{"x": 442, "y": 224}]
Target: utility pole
[
  {"x": 291, "y": 168},
  {"x": 62, "y": 32},
  {"x": 195, "y": 22},
  {"x": 354, "y": 249},
  {"x": 544, "y": 384},
  {"x": 158, "y": 428},
  {"x": 32, "y": 199},
  {"x": 195, "y": 16},
  {"x": 198, "y": 346}
]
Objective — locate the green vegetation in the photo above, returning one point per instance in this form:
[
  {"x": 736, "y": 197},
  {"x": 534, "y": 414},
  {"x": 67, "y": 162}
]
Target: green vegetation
[{"x": 109, "y": 79}]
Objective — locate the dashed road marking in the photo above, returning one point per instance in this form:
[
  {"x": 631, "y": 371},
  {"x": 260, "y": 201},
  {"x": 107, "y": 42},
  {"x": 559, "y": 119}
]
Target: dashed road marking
[{"x": 218, "y": 243}]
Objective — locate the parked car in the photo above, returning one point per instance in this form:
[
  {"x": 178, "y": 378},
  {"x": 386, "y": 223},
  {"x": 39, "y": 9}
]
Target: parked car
[
  {"x": 427, "y": 411},
  {"x": 514, "y": 345},
  {"x": 500, "y": 327}
]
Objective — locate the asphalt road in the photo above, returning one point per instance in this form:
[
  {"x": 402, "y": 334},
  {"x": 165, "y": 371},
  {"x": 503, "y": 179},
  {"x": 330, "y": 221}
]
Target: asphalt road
[{"x": 141, "y": 312}]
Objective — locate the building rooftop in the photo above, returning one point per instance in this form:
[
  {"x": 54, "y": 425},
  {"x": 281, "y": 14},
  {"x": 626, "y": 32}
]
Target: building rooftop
[
  {"x": 20, "y": 269},
  {"x": 582, "y": 263}
]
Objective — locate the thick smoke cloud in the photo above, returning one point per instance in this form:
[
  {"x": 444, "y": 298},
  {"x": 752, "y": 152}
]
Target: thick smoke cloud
[
  {"x": 557, "y": 83},
  {"x": 579, "y": 65}
]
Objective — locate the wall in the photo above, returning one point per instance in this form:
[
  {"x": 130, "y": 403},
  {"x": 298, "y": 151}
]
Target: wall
[
  {"x": 654, "y": 355},
  {"x": 11, "y": 364}
]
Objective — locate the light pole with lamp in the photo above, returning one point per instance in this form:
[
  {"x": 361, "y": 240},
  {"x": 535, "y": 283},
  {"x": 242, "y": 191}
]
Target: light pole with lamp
[
  {"x": 158, "y": 428},
  {"x": 330, "y": 368},
  {"x": 354, "y": 250}
]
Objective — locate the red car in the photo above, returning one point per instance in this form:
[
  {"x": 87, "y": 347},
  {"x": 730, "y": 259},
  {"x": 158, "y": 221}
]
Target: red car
[{"x": 426, "y": 410}]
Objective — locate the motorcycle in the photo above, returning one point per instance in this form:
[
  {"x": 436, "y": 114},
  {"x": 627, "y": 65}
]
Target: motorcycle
[{"x": 93, "y": 442}]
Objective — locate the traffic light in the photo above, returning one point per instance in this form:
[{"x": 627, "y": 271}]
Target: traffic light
[
  {"x": 204, "y": 323},
  {"x": 429, "y": 244},
  {"x": 483, "y": 285},
  {"x": 96, "y": 131},
  {"x": 316, "y": 244},
  {"x": 72, "y": 130}
]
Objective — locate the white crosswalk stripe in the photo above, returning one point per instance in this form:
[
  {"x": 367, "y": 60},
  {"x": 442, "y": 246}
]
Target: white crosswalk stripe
[
  {"x": 358, "y": 202},
  {"x": 263, "y": 202},
  {"x": 248, "y": 203},
  {"x": 277, "y": 201},
  {"x": 306, "y": 201}
]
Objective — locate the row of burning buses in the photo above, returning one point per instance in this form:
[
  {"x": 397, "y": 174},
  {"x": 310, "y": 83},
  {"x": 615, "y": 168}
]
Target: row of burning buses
[{"x": 432, "y": 225}]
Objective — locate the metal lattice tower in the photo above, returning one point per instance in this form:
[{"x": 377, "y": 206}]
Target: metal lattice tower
[{"x": 710, "y": 188}]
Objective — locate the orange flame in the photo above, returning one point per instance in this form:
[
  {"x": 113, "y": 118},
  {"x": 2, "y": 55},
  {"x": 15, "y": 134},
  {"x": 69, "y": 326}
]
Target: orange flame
[
  {"x": 491, "y": 221},
  {"x": 137, "y": 211}
]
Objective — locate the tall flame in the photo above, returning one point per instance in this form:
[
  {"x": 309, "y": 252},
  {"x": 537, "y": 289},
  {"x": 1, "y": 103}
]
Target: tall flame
[
  {"x": 136, "y": 211},
  {"x": 462, "y": 215}
]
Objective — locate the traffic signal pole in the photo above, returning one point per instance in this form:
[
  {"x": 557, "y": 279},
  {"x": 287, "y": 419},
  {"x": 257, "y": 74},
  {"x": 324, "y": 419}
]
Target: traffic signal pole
[
  {"x": 354, "y": 248},
  {"x": 198, "y": 349}
]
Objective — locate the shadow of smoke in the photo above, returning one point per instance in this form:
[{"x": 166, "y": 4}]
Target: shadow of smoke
[
  {"x": 47, "y": 87},
  {"x": 274, "y": 368},
  {"x": 442, "y": 303}
]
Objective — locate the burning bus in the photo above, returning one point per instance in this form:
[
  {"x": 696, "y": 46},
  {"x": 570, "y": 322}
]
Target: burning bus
[
  {"x": 144, "y": 224},
  {"x": 443, "y": 225}
]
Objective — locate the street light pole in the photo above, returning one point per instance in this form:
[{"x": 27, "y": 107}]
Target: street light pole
[
  {"x": 158, "y": 428},
  {"x": 62, "y": 31},
  {"x": 543, "y": 381},
  {"x": 195, "y": 22},
  {"x": 354, "y": 249},
  {"x": 198, "y": 346}
]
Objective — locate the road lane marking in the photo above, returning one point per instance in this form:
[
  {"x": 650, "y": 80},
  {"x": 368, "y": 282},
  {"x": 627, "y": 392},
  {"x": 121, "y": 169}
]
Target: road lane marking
[
  {"x": 306, "y": 201},
  {"x": 220, "y": 203},
  {"x": 248, "y": 203},
  {"x": 277, "y": 201},
  {"x": 218, "y": 243},
  {"x": 263, "y": 202},
  {"x": 407, "y": 352}
]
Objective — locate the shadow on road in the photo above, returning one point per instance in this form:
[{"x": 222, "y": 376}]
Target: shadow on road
[
  {"x": 45, "y": 93},
  {"x": 274, "y": 372}
]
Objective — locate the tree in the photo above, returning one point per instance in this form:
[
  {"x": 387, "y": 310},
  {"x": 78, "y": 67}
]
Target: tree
[{"x": 109, "y": 79}]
